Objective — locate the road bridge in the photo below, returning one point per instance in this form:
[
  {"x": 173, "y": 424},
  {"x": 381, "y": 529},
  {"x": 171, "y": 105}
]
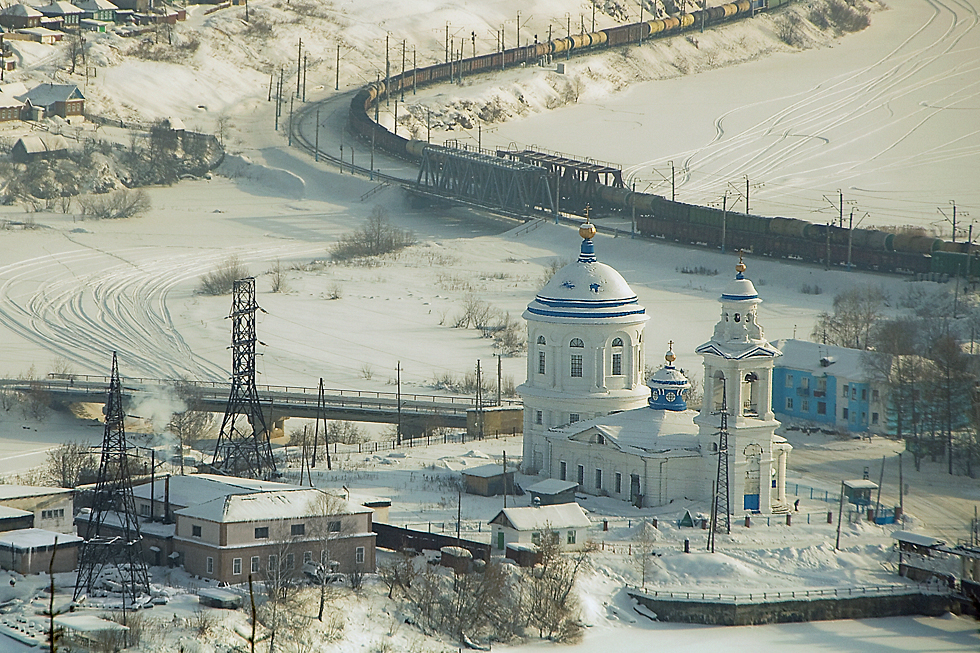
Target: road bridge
[{"x": 418, "y": 412}]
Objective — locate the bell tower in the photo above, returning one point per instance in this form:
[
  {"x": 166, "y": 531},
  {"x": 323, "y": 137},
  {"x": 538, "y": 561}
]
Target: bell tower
[{"x": 738, "y": 361}]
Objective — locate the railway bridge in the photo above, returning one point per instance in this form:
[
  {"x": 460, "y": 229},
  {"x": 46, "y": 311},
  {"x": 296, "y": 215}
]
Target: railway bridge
[{"x": 417, "y": 412}]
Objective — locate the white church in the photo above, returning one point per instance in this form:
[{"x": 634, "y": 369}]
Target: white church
[{"x": 589, "y": 418}]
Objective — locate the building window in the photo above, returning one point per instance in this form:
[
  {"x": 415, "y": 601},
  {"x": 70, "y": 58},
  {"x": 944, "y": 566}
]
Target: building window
[
  {"x": 571, "y": 537},
  {"x": 297, "y": 529},
  {"x": 290, "y": 561},
  {"x": 581, "y": 474},
  {"x": 843, "y": 413},
  {"x": 619, "y": 483},
  {"x": 864, "y": 394},
  {"x": 874, "y": 395},
  {"x": 562, "y": 470},
  {"x": 334, "y": 527},
  {"x": 789, "y": 403},
  {"x": 359, "y": 555},
  {"x": 598, "y": 479},
  {"x": 273, "y": 562},
  {"x": 617, "y": 342},
  {"x": 854, "y": 392},
  {"x": 144, "y": 510},
  {"x": 805, "y": 382},
  {"x": 55, "y": 514},
  {"x": 196, "y": 531},
  {"x": 255, "y": 564},
  {"x": 262, "y": 533},
  {"x": 845, "y": 391},
  {"x": 576, "y": 365},
  {"x": 541, "y": 360},
  {"x": 617, "y": 364},
  {"x": 789, "y": 380},
  {"x": 573, "y": 417},
  {"x": 805, "y": 405},
  {"x": 536, "y": 538},
  {"x": 576, "y": 342},
  {"x": 537, "y": 417},
  {"x": 874, "y": 418},
  {"x": 307, "y": 557},
  {"x": 541, "y": 340},
  {"x": 821, "y": 408},
  {"x": 210, "y": 565},
  {"x": 236, "y": 566}
]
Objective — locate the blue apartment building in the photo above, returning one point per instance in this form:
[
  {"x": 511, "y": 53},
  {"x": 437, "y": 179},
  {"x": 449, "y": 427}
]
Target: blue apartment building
[{"x": 825, "y": 386}]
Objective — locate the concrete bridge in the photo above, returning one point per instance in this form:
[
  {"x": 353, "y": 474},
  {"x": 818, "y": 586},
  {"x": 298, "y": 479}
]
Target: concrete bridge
[{"x": 418, "y": 412}]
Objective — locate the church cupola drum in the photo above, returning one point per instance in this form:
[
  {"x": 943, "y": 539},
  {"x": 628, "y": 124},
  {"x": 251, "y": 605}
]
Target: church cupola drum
[{"x": 585, "y": 349}]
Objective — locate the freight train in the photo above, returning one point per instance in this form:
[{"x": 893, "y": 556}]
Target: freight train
[{"x": 656, "y": 216}]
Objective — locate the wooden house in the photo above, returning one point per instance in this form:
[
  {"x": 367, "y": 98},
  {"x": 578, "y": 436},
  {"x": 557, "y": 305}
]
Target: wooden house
[
  {"x": 32, "y": 148},
  {"x": 101, "y": 10},
  {"x": 488, "y": 480},
  {"x": 68, "y": 13},
  {"x": 568, "y": 522},
  {"x": 63, "y": 100},
  {"x": 20, "y": 16}
]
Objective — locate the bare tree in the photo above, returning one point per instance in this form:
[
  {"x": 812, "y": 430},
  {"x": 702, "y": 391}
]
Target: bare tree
[
  {"x": 551, "y": 606},
  {"x": 118, "y": 205},
  {"x": 71, "y": 464},
  {"x": 277, "y": 274},
  {"x": 221, "y": 280},
  {"x": 279, "y": 613},
  {"x": 191, "y": 424},
  {"x": 856, "y": 311},
  {"x": 643, "y": 558}
]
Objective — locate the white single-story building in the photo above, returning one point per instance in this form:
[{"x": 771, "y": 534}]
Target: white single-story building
[{"x": 527, "y": 526}]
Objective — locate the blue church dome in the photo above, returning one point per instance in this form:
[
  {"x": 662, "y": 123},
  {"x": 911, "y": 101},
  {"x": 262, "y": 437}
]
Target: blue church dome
[{"x": 668, "y": 385}]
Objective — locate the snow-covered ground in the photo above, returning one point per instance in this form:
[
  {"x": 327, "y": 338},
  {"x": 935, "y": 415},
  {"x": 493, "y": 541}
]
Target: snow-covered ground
[{"x": 73, "y": 291}]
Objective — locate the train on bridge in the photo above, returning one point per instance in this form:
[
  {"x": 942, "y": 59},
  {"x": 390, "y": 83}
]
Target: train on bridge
[{"x": 656, "y": 216}]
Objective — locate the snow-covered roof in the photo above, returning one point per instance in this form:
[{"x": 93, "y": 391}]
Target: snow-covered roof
[
  {"x": 263, "y": 506},
  {"x": 44, "y": 143},
  {"x": 552, "y": 486},
  {"x": 7, "y": 512},
  {"x": 95, "y": 5},
  {"x": 44, "y": 95},
  {"x": 59, "y": 8},
  {"x": 818, "y": 359},
  {"x": 194, "y": 489},
  {"x": 649, "y": 429},
  {"x": 586, "y": 289},
  {"x": 8, "y": 492},
  {"x": 917, "y": 539},
  {"x": 535, "y": 518},
  {"x": 861, "y": 484},
  {"x": 34, "y": 538},
  {"x": 88, "y": 623},
  {"x": 486, "y": 471},
  {"x": 22, "y": 10}
]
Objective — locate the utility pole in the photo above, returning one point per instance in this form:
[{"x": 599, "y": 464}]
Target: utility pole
[
  {"x": 479, "y": 397},
  {"x": 724, "y": 219},
  {"x": 304, "y": 77},
  {"x": 840, "y": 514},
  {"x": 901, "y": 488},
  {"x": 396, "y": 118},
  {"x": 401, "y": 84},
  {"x": 850, "y": 239},
  {"x": 673, "y": 187},
  {"x": 827, "y": 261},
  {"x": 950, "y": 220},
  {"x": 633, "y": 196},
  {"x": 398, "y": 386},
  {"x": 518, "y": 29},
  {"x": 447, "y": 41},
  {"x": 505, "y": 479},
  {"x": 746, "y": 194},
  {"x": 499, "y": 377},
  {"x": 415, "y": 68},
  {"x": 593, "y": 17},
  {"x": 336, "y": 84},
  {"x": 316, "y": 138},
  {"x": 841, "y": 217},
  {"x": 881, "y": 479},
  {"x": 387, "y": 73}
]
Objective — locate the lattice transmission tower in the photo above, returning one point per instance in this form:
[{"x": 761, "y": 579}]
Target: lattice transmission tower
[
  {"x": 721, "y": 511},
  {"x": 244, "y": 451},
  {"x": 113, "y": 547}
]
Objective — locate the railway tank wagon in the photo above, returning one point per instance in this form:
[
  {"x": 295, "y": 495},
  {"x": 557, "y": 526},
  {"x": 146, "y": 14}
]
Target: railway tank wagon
[{"x": 782, "y": 237}]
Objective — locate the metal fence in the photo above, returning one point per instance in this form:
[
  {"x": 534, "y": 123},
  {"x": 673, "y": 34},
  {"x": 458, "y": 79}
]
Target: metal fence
[{"x": 764, "y": 596}]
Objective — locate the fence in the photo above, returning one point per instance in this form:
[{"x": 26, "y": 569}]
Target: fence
[
  {"x": 406, "y": 539},
  {"x": 763, "y": 596}
]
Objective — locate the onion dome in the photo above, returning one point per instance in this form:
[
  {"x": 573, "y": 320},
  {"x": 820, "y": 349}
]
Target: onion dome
[
  {"x": 586, "y": 289},
  {"x": 740, "y": 289},
  {"x": 668, "y": 385}
]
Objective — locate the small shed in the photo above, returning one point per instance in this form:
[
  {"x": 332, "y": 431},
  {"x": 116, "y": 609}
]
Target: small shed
[
  {"x": 488, "y": 480},
  {"x": 859, "y": 491},
  {"x": 45, "y": 146},
  {"x": 28, "y": 551},
  {"x": 552, "y": 491},
  {"x": 525, "y": 555},
  {"x": 217, "y": 598},
  {"x": 15, "y": 519},
  {"x": 89, "y": 629},
  {"x": 567, "y": 521},
  {"x": 456, "y": 558}
]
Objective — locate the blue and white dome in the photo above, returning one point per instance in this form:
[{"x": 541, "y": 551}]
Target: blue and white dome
[
  {"x": 586, "y": 289},
  {"x": 741, "y": 289},
  {"x": 668, "y": 386}
]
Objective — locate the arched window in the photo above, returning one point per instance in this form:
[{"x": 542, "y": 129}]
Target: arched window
[
  {"x": 576, "y": 342},
  {"x": 617, "y": 342},
  {"x": 541, "y": 340}
]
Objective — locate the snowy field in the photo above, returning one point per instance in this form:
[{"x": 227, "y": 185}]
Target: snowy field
[{"x": 889, "y": 115}]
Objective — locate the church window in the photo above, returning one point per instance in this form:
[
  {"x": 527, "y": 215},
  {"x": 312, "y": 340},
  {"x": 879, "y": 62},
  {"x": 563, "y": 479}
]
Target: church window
[
  {"x": 789, "y": 403},
  {"x": 581, "y": 474},
  {"x": 576, "y": 342},
  {"x": 537, "y": 417},
  {"x": 619, "y": 483},
  {"x": 618, "y": 342},
  {"x": 541, "y": 361},
  {"x": 598, "y": 479},
  {"x": 576, "y": 368},
  {"x": 655, "y": 393},
  {"x": 726, "y": 317},
  {"x": 599, "y": 439},
  {"x": 738, "y": 318},
  {"x": 573, "y": 417},
  {"x": 714, "y": 446},
  {"x": 671, "y": 395},
  {"x": 562, "y": 470},
  {"x": 617, "y": 364},
  {"x": 541, "y": 340}
]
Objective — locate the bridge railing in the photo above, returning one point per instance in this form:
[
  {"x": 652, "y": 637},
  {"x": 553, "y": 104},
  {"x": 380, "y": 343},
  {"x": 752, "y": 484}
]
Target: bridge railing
[{"x": 763, "y": 595}]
